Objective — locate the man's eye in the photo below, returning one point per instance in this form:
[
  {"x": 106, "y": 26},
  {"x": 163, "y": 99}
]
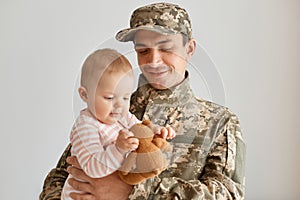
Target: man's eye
[
  {"x": 142, "y": 51},
  {"x": 166, "y": 49}
]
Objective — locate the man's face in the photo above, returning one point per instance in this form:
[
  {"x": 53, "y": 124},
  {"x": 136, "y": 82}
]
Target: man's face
[{"x": 162, "y": 58}]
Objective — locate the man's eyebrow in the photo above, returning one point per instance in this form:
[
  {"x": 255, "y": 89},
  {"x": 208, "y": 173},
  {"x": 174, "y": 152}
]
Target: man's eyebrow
[
  {"x": 158, "y": 43},
  {"x": 139, "y": 45},
  {"x": 163, "y": 41}
]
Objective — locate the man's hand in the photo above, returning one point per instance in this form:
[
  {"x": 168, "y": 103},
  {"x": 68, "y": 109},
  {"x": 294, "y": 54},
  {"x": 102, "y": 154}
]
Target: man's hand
[{"x": 109, "y": 187}]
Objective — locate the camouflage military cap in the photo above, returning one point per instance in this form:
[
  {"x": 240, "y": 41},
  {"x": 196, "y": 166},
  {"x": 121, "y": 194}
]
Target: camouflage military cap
[{"x": 164, "y": 18}]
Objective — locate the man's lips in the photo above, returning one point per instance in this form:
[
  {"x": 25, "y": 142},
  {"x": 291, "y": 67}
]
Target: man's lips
[{"x": 157, "y": 74}]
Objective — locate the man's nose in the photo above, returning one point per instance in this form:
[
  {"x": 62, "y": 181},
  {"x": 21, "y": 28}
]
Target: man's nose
[{"x": 154, "y": 56}]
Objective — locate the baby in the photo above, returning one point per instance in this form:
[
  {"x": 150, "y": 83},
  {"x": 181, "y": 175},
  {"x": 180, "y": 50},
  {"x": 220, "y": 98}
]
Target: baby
[{"x": 100, "y": 138}]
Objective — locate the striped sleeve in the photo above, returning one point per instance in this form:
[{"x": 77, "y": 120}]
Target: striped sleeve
[{"x": 93, "y": 158}]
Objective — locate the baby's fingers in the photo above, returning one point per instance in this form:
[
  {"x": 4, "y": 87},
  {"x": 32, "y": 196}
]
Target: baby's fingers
[
  {"x": 125, "y": 133},
  {"x": 133, "y": 143},
  {"x": 171, "y": 133},
  {"x": 163, "y": 133}
]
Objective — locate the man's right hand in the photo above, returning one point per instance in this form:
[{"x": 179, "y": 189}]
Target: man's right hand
[{"x": 109, "y": 187}]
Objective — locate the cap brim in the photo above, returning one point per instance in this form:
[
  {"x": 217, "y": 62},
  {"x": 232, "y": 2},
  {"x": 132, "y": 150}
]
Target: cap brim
[{"x": 126, "y": 35}]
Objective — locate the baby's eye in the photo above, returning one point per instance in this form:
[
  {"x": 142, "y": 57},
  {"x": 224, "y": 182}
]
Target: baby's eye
[
  {"x": 109, "y": 98},
  {"x": 126, "y": 98}
]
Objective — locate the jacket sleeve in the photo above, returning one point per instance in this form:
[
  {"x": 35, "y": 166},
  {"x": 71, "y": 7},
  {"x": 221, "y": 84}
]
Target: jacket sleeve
[
  {"x": 56, "y": 178},
  {"x": 224, "y": 173},
  {"x": 222, "y": 176}
]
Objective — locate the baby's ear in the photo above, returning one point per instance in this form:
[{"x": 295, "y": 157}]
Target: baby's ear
[{"x": 83, "y": 93}]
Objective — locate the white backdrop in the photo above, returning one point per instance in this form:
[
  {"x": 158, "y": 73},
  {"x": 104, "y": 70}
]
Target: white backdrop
[{"x": 255, "y": 46}]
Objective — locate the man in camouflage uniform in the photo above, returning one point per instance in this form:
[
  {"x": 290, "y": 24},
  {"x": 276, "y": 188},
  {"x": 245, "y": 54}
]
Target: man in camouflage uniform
[{"x": 208, "y": 155}]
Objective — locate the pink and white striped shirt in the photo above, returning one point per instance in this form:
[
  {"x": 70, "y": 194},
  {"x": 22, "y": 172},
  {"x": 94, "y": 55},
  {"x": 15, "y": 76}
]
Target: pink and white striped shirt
[{"x": 93, "y": 143}]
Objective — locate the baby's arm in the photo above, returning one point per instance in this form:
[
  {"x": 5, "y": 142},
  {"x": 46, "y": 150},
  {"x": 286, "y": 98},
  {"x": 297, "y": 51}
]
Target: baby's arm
[{"x": 94, "y": 159}]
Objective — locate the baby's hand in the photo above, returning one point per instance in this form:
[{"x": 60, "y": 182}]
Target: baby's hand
[
  {"x": 165, "y": 132},
  {"x": 125, "y": 142}
]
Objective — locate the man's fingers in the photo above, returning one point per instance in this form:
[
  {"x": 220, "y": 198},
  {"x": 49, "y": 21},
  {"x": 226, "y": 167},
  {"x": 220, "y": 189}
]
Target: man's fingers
[
  {"x": 78, "y": 196},
  {"x": 78, "y": 174},
  {"x": 80, "y": 186},
  {"x": 72, "y": 160}
]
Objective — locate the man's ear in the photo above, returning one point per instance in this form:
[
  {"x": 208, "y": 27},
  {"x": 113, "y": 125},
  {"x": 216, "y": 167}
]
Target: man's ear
[
  {"x": 83, "y": 93},
  {"x": 190, "y": 48}
]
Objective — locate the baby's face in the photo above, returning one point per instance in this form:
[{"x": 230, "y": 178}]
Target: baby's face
[{"x": 112, "y": 97}]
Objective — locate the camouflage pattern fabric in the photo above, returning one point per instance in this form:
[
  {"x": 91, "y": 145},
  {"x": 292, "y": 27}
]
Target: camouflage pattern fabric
[
  {"x": 208, "y": 155},
  {"x": 164, "y": 18},
  {"x": 56, "y": 178}
]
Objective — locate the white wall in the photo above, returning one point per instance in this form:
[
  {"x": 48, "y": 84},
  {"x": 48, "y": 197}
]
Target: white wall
[{"x": 255, "y": 46}]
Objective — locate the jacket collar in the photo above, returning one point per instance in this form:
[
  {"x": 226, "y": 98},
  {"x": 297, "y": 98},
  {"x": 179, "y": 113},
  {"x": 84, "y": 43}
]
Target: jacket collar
[{"x": 177, "y": 94}]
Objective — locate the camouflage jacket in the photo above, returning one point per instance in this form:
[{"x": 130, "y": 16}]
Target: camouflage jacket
[{"x": 208, "y": 157}]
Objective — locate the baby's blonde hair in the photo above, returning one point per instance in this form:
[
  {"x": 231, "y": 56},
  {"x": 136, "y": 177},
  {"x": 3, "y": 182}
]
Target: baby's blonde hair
[{"x": 100, "y": 61}]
